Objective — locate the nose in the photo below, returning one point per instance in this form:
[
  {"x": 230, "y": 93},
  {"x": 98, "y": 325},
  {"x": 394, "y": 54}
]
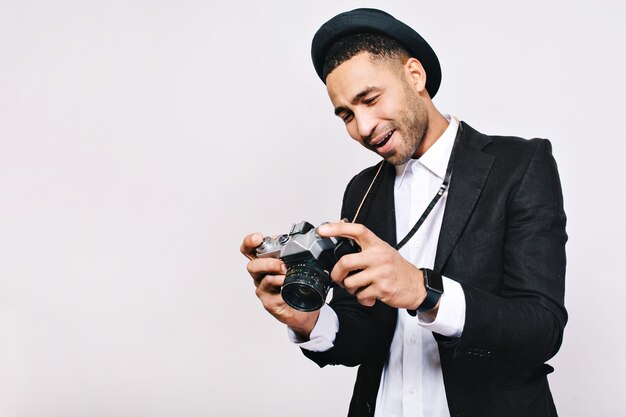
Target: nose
[{"x": 366, "y": 124}]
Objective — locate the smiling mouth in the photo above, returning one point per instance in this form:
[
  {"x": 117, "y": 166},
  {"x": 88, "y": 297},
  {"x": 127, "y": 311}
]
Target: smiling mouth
[{"x": 385, "y": 139}]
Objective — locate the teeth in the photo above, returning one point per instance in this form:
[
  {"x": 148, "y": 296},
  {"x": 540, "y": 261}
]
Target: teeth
[{"x": 385, "y": 139}]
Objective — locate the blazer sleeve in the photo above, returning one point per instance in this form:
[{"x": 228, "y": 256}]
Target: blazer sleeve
[{"x": 524, "y": 320}]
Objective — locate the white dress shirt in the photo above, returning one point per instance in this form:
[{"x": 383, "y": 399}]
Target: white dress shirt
[{"x": 412, "y": 382}]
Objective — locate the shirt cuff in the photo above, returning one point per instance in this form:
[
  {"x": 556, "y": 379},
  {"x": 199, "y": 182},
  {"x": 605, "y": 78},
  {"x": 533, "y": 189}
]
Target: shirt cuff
[
  {"x": 323, "y": 334},
  {"x": 451, "y": 314}
]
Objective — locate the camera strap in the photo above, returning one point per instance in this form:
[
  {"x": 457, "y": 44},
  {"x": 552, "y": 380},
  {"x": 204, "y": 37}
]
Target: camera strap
[
  {"x": 442, "y": 189},
  {"x": 433, "y": 202}
]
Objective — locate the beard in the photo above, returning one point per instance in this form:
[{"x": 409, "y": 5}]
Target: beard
[{"x": 412, "y": 126}]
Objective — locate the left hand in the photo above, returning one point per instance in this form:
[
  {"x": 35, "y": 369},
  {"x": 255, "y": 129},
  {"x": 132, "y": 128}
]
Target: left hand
[{"x": 383, "y": 274}]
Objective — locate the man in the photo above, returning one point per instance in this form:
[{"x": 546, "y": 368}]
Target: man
[{"x": 460, "y": 319}]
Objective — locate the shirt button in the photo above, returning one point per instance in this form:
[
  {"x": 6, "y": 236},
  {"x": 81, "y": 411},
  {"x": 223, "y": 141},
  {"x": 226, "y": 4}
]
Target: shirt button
[
  {"x": 411, "y": 390},
  {"x": 413, "y": 340}
]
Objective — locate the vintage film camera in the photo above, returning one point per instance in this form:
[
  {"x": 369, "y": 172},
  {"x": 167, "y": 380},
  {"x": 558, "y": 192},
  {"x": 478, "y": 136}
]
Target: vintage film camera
[{"x": 309, "y": 259}]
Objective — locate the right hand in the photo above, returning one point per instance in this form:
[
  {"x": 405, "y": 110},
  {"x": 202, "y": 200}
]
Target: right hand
[{"x": 268, "y": 275}]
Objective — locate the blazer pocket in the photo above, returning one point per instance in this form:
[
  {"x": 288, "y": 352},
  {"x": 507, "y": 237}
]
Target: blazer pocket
[{"x": 531, "y": 399}]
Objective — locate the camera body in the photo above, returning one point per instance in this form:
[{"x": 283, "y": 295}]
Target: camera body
[{"x": 309, "y": 259}]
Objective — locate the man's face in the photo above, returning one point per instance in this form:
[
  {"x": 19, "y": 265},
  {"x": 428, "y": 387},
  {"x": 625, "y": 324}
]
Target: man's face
[{"x": 379, "y": 106}]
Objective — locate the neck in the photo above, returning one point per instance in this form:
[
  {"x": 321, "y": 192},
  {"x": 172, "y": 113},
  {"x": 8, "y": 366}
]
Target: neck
[{"x": 437, "y": 124}]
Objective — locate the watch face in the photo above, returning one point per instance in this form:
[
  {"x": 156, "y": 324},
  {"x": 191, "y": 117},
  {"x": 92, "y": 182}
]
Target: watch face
[
  {"x": 434, "y": 281},
  {"x": 434, "y": 289}
]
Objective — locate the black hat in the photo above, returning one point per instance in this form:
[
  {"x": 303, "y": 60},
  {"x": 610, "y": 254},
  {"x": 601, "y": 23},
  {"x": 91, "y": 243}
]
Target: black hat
[{"x": 376, "y": 21}]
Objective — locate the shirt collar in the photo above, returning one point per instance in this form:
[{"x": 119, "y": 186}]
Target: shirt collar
[{"x": 435, "y": 159}]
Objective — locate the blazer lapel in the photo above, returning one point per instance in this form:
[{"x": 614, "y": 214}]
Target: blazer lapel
[{"x": 469, "y": 174}]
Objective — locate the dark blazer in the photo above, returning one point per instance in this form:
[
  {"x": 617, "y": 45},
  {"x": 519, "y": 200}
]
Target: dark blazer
[{"x": 503, "y": 239}]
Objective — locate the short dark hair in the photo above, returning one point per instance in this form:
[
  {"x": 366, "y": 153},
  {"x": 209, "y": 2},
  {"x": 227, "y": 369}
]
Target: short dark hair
[{"x": 380, "y": 46}]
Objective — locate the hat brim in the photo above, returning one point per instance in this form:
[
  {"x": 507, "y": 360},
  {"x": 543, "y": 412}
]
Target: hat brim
[{"x": 376, "y": 21}]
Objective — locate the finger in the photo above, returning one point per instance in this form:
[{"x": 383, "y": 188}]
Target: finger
[
  {"x": 361, "y": 234},
  {"x": 258, "y": 268},
  {"x": 347, "y": 264},
  {"x": 358, "y": 281},
  {"x": 273, "y": 303},
  {"x": 366, "y": 296},
  {"x": 249, "y": 244},
  {"x": 270, "y": 284}
]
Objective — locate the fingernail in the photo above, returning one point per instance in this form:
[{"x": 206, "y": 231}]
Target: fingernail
[{"x": 323, "y": 227}]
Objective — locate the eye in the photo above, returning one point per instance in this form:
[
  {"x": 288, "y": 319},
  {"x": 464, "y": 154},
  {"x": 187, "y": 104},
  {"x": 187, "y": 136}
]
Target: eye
[
  {"x": 371, "y": 100},
  {"x": 346, "y": 117}
]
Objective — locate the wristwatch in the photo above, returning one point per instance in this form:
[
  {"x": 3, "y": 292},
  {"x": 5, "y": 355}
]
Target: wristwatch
[{"x": 434, "y": 289}]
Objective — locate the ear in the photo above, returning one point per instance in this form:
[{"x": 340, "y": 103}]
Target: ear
[{"x": 416, "y": 74}]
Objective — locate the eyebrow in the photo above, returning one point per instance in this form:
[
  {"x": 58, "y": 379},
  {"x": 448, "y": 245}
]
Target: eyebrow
[{"x": 356, "y": 99}]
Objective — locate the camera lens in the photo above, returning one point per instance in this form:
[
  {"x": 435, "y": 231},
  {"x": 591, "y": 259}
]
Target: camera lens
[
  {"x": 306, "y": 286},
  {"x": 305, "y": 291}
]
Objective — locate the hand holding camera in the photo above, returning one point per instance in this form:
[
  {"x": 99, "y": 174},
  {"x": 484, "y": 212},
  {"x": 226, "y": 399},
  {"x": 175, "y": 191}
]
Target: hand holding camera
[
  {"x": 378, "y": 271},
  {"x": 309, "y": 259},
  {"x": 306, "y": 259}
]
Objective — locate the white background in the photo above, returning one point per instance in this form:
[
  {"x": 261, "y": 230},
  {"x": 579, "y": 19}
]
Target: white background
[{"x": 141, "y": 140}]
